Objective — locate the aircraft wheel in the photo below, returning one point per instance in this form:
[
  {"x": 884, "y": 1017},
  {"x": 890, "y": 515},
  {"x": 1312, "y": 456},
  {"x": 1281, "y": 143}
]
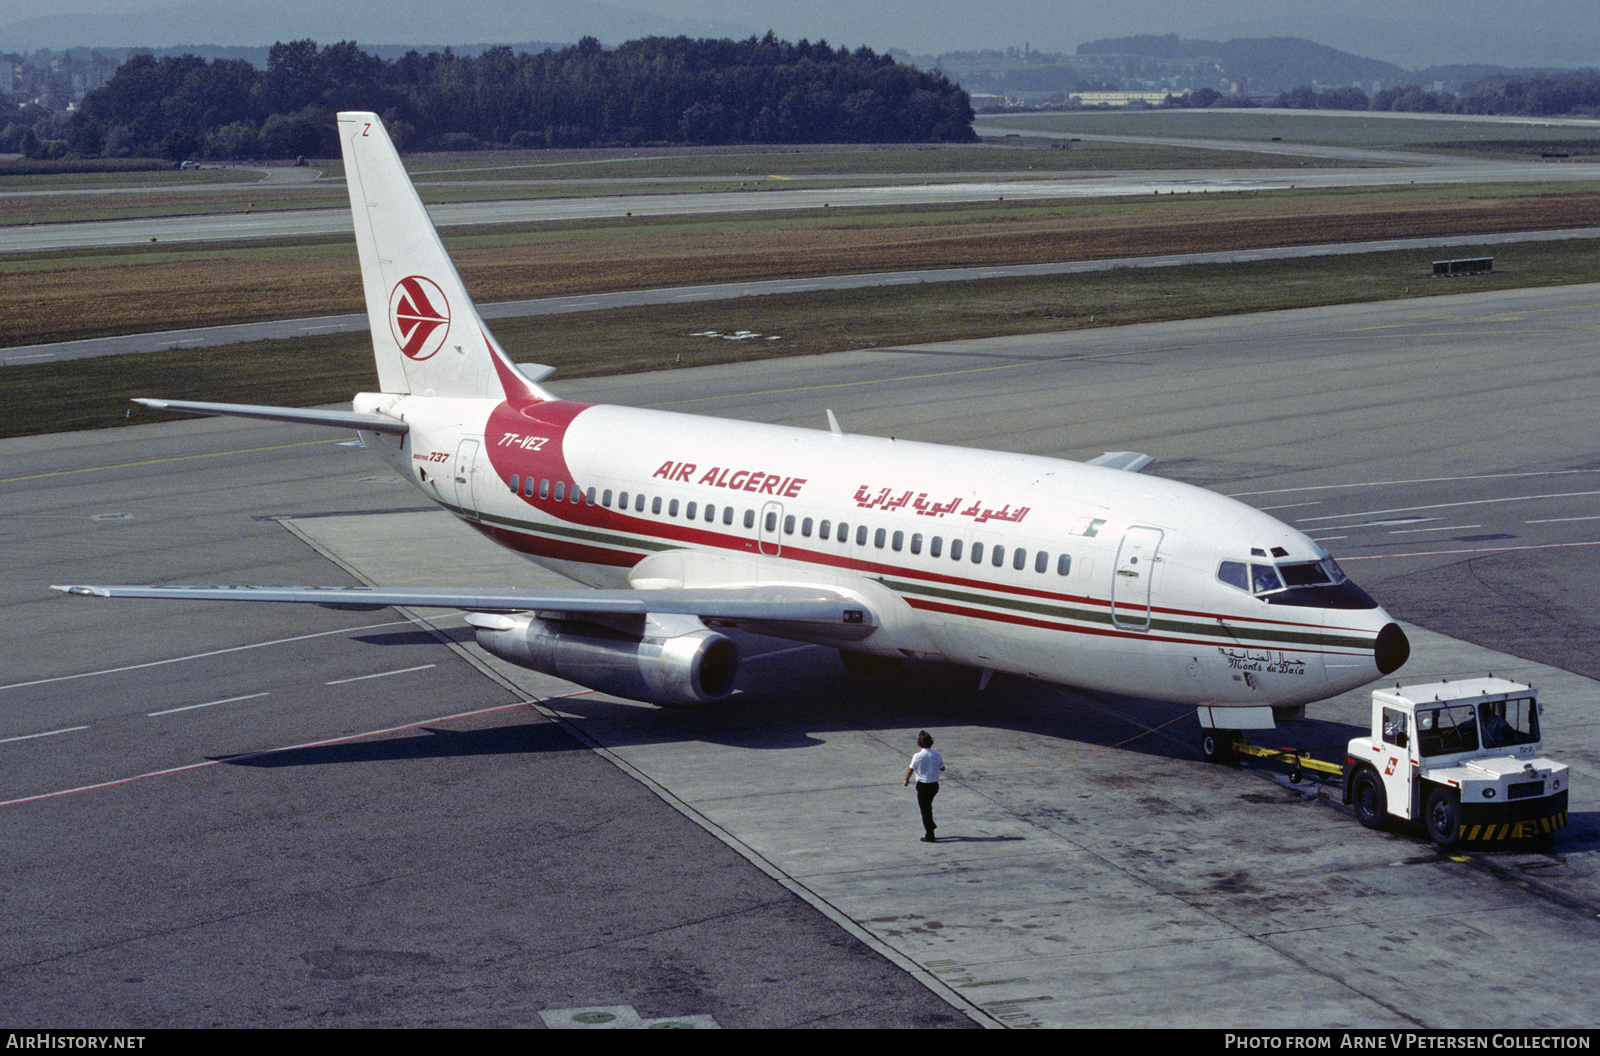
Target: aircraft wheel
[
  {"x": 1216, "y": 746},
  {"x": 1369, "y": 798},
  {"x": 1442, "y": 813},
  {"x": 858, "y": 663}
]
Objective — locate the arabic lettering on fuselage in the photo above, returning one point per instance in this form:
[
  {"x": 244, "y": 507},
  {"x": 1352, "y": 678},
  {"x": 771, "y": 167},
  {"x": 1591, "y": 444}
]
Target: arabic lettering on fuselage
[
  {"x": 1245, "y": 660},
  {"x": 886, "y": 499},
  {"x": 754, "y": 480}
]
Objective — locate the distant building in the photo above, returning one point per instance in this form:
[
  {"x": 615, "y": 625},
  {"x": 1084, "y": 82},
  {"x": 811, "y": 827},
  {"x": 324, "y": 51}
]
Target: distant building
[{"x": 1117, "y": 98}]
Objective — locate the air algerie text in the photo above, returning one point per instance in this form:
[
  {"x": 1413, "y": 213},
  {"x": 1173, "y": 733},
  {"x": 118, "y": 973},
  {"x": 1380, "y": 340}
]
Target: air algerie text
[{"x": 758, "y": 481}]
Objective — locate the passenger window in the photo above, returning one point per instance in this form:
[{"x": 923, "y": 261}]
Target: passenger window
[
  {"x": 574, "y": 496},
  {"x": 844, "y": 533},
  {"x": 527, "y": 488},
  {"x": 544, "y": 489},
  {"x": 690, "y": 510},
  {"x": 788, "y": 525},
  {"x": 516, "y": 484},
  {"x": 861, "y": 535},
  {"x": 999, "y": 556},
  {"x": 561, "y": 491},
  {"x": 1064, "y": 565},
  {"x": 936, "y": 546},
  {"x": 977, "y": 553},
  {"x": 622, "y": 501},
  {"x": 655, "y": 505},
  {"x": 605, "y": 498},
  {"x": 727, "y": 515},
  {"x": 1041, "y": 562},
  {"x": 1019, "y": 560},
  {"x": 638, "y": 502},
  {"x": 916, "y": 542},
  {"x": 805, "y": 528},
  {"x": 955, "y": 549},
  {"x": 772, "y": 520},
  {"x": 749, "y": 518},
  {"x": 897, "y": 541},
  {"x": 588, "y": 497},
  {"x": 878, "y": 538},
  {"x": 672, "y": 508}
]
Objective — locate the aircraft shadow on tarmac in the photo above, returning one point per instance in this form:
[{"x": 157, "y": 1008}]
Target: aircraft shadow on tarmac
[{"x": 790, "y": 698}]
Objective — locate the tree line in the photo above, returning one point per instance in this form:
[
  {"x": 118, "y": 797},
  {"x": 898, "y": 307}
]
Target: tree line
[
  {"x": 656, "y": 90},
  {"x": 1546, "y": 95}
]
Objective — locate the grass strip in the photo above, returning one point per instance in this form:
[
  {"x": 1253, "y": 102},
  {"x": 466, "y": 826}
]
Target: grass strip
[{"x": 94, "y": 393}]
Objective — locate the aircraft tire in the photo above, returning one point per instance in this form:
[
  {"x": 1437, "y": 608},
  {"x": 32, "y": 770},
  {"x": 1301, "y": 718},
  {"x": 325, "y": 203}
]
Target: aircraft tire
[
  {"x": 1369, "y": 799},
  {"x": 1442, "y": 815},
  {"x": 1215, "y": 747}
]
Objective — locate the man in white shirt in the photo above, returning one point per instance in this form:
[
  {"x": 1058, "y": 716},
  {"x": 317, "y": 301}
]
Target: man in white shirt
[{"x": 926, "y": 765}]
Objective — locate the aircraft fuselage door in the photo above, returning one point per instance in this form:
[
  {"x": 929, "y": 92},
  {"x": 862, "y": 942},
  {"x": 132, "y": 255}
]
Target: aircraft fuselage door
[
  {"x": 465, "y": 474},
  {"x": 769, "y": 530},
  {"x": 1130, "y": 586}
]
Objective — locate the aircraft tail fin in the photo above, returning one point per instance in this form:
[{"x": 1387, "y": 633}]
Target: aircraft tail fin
[{"x": 427, "y": 335}]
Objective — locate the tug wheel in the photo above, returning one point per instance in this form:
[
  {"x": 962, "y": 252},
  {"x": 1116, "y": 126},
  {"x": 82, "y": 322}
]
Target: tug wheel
[
  {"x": 1216, "y": 746},
  {"x": 1442, "y": 814}
]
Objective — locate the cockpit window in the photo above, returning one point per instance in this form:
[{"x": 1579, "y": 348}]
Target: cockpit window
[
  {"x": 1312, "y": 573},
  {"x": 1264, "y": 579},
  {"x": 1234, "y": 574},
  {"x": 1260, "y": 578}
]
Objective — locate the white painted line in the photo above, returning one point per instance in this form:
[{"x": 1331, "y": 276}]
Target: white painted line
[
  {"x": 201, "y": 656},
  {"x": 381, "y": 674},
  {"x": 274, "y": 751},
  {"x": 1424, "y": 480},
  {"x": 1289, "y": 506},
  {"x": 1558, "y": 520},
  {"x": 31, "y": 736},
  {"x": 1478, "y": 550},
  {"x": 1436, "y": 528},
  {"x": 1449, "y": 505},
  {"x": 208, "y": 704},
  {"x": 780, "y": 652}
]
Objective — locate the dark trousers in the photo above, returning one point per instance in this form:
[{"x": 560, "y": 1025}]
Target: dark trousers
[{"x": 926, "y": 790}]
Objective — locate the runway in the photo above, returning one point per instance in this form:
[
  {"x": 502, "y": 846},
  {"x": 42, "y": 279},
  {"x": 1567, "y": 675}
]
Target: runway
[
  {"x": 1371, "y": 168},
  {"x": 754, "y": 863}
]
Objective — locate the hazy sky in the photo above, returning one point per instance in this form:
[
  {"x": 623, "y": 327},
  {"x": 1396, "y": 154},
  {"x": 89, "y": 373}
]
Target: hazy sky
[{"x": 1415, "y": 33}]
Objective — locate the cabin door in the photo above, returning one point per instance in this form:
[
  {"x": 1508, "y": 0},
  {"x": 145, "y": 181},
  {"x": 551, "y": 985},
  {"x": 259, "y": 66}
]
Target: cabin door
[
  {"x": 1130, "y": 586},
  {"x": 466, "y": 477},
  {"x": 769, "y": 530}
]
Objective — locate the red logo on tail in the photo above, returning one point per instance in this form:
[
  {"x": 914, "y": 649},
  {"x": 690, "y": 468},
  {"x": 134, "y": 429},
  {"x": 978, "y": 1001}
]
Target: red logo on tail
[{"x": 419, "y": 316}]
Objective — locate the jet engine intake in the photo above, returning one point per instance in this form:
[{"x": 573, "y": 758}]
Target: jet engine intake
[{"x": 675, "y": 660}]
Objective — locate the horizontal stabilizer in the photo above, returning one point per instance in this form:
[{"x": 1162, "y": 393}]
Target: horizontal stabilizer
[
  {"x": 1132, "y": 461},
  {"x": 757, "y": 602},
  {"x": 372, "y": 423}
]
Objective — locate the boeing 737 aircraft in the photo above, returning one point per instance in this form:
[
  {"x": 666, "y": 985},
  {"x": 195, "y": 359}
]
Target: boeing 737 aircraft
[{"x": 1087, "y": 574}]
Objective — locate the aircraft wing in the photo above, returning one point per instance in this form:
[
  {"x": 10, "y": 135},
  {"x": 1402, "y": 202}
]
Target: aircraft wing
[
  {"x": 764, "y": 608},
  {"x": 1132, "y": 461}
]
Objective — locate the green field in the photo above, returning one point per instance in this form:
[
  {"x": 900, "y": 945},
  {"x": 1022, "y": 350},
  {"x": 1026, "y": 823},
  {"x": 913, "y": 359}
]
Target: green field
[
  {"x": 1328, "y": 129},
  {"x": 94, "y": 393}
]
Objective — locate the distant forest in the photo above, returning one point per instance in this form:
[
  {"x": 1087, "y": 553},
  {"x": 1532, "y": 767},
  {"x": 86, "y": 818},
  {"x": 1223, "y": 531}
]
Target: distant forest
[
  {"x": 1548, "y": 95},
  {"x": 656, "y": 90}
]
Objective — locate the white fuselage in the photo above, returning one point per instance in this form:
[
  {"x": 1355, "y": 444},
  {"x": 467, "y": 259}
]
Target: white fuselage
[{"x": 1051, "y": 569}]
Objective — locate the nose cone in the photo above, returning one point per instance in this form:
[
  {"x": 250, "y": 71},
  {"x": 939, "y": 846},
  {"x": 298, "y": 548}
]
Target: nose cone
[{"x": 1391, "y": 650}]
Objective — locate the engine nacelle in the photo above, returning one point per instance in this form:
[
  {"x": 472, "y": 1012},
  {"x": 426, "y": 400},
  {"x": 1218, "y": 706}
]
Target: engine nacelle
[{"x": 676, "y": 660}]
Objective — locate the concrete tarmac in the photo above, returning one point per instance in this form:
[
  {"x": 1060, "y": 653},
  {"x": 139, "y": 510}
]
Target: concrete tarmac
[{"x": 1093, "y": 871}]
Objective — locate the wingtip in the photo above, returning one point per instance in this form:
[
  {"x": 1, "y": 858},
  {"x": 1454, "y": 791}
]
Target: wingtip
[{"x": 88, "y": 592}]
